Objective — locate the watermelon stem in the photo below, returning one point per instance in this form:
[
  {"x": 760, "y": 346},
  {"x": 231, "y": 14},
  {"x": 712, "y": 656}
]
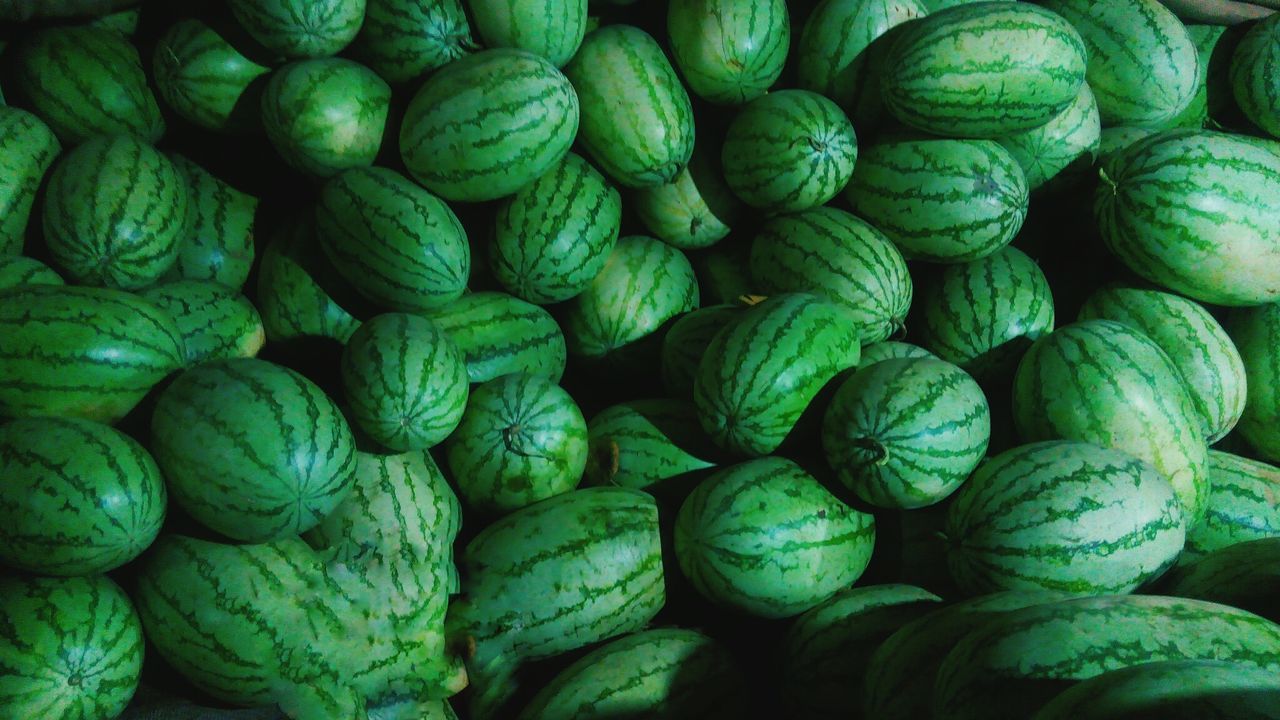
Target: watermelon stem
[{"x": 1102, "y": 174}]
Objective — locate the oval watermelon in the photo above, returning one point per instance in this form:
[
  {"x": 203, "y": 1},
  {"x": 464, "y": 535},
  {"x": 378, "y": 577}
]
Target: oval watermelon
[
  {"x": 204, "y": 78},
  {"x": 499, "y": 334},
  {"x": 28, "y": 148},
  {"x": 300, "y": 28},
  {"x": 405, "y": 39},
  {"x": 729, "y": 52}
]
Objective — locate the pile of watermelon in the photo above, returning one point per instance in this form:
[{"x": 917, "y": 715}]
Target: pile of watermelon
[{"x": 551, "y": 360}]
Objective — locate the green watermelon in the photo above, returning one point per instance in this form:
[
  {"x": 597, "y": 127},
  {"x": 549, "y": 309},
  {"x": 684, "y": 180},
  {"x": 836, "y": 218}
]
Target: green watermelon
[
  {"x": 521, "y": 439},
  {"x": 488, "y": 124},
  {"x": 405, "y": 380},
  {"x": 204, "y": 78},
  {"x": 550, "y": 28},
  {"x": 1196, "y": 115},
  {"x": 215, "y": 321},
  {"x": 1106, "y": 383},
  {"x": 27, "y": 149},
  {"x": 1256, "y": 332},
  {"x": 831, "y": 253},
  {"x": 1066, "y": 145},
  {"x": 219, "y": 242},
  {"x": 686, "y": 341},
  {"x": 695, "y": 210},
  {"x": 983, "y": 70},
  {"x": 1245, "y": 575},
  {"x": 498, "y": 334},
  {"x": 641, "y": 442},
  {"x": 115, "y": 213},
  {"x": 1195, "y": 211},
  {"x": 1117, "y": 138},
  {"x": 905, "y": 433},
  {"x": 982, "y": 315},
  {"x": 1244, "y": 504},
  {"x": 637, "y": 122},
  {"x": 300, "y": 28},
  {"x": 16, "y": 270},
  {"x": 70, "y": 648},
  {"x": 1143, "y": 66},
  {"x": 81, "y": 352},
  {"x": 940, "y": 200},
  {"x": 729, "y": 52},
  {"x": 405, "y": 39},
  {"x": 1254, "y": 80},
  {"x": 325, "y": 115},
  {"x": 85, "y": 81},
  {"x": 890, "y": 350},
  {"x": 555, "y": 234},
  {"x": 761, "y": 371},
  {"x": 251, "y": 449},
  {"x": 291, "y": 296}
]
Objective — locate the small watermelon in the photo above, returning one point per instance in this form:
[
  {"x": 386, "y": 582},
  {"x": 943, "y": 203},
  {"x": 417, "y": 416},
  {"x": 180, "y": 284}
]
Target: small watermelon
[
  {"x": 300, "y": 28},
  {"x": 204, "y": 78},
  {"x": 292, "y": 295},
  {"x": 215, "y": 321},
  {"x": 695, "y": 210},
  {"x": 405, "y": 39},
  {"x": 499, "y": 334},
  {"x": 639, "y": 443},
  {"x": 219, "y": 242},
  {"x": 729, "y": 52},
  {"x": 550, "y": 28},
  {"x": 18, "y": 270}
]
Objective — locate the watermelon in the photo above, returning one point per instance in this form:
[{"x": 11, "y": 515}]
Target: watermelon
[
  {"x": 215, "y": 321},
  {"x": 640, "y": 443},
  {"x": 1025, "y": 657},
  {"x": 831, "y": 253},
  {"x": 1106, "y": 383},
  {"x": 1244, "y": 504},
  {"x": 71, "y": 648},
  {"x": 1117, "y": 138},
  {"x": 1245, "y": 575},
  {"x": 405, "y": 380},
  {"x": 251, "y": 449},
  {"x": 76, "y": 497},
  {"x": 488, "y": 124},
  {"x": 85, "y": 81},
  {"x": 940, "y": 200},
  {"x": 906, "y": 433},
  {"x": 1196, "y": 115},
  {"x": 395, "y": 243},
  {"x": 761, "y": 371},
  {"x": 292, "y": 298},
  {"x": 1066, "y": 144},
  {"x": 18, "y": 270},
  {"x": 729, "y": 52},
  {"x": 890, "y": 350},
  {"x": 498, "y": 334},
  {"x": 1197, "y": 212},
  {"x": 81, "y": 352},
  {"x": 983, "y": 70},
  {"x": 521, "y": 439},
  {"x": 1143, "y": 66},
  {"x": 219, "y": 242},
  {"x": 405, "y": 39},
  {"x": 982, "y": 315},
  {"x": 695, "y": 210},
  {"x": 555, "y": 234},
  {"x": 686, "y": 341},
  {"x": 27, "y": 148},
  {"x": 1254, "y": 81},
  {"x": 550, "y": 28},
  {"x": 1204, "y": 355},
  {"x": 204, "y": 78},
  {"x": 115, "y": 213},
  {"x": 300, "y": 28},
  {"x": 1256, "y": 332},
  {"x": 325, "y": 115},
  {"x": 593, "y": 559},
  {"x": 637, "y": 122}
]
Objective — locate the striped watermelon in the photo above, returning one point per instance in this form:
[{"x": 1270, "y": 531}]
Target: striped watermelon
[
  {"x": 76, "y": 497},
  {"x": 831, "y": 253},
  {"x": 762, "y": 370},
  {"x": 1013, "y": 665},
  {"x": 593, "y": 559},
  {"x": 395, "y": 243},
  {"x": 1196, "y": 115},
  {"x": 488, "y": 124},
  {"x": 300, "y": 28},
  {"x": 983, "y": 70},
  {"x": 643, "y": 284},
  {"x": 764, "y": 538},
  {"x": 729, "y": 52},
  {"x": 1106, "y": 383},
  {"x": 1067, "y": 144},
  {"x": 1244, "y": 575},
  {"x": 982, "y": 315},
  {"x": 405, "y": 39},
  {"x": 1255, "y": 82},
  {"x": 521, "y": 439},
  {"x": 204, "y": 78},
  {"x": 1171, "y": 690},
  {"x": 941, "y": 200},
  {"x": 825, "y": 653},
  {"x": 405, "y": 380},
  {"x": 1204, "y": 355},
  {"x": 890, "y": 350},
  {"x": 555, "y": 234},
  {"x": 668, "y": 673},
  {"x": 81, "y": 352},
  {"x": 85, "y": 81},
  {"x": 906, "y": 433},
  {"x": 1117, "y": 138},
  {"x": 18, "y": 270},
  {"x": 789, "y": 150},
  {"x": 498, "y": 334},
  {"x": 1244, "y": 505},
  {"x": 686, "y": 341},
  {"x": 695, "y": 210},
  {"x": 27, "y": 149},
  {"x": 115, "y": 213},
  {"x": 325, "y": 115},
  {"x": 637, "y": 122},
  {"x": 71, "y": 648},
  {"x": 251, "y": 449},
  {"x": 1197, "y": 212},
  {"x": 1143, "y": 66},
  {"x": 219, "y": 243},
  {"x": 550, "y": 28},
  {"x": 1063, "y": 515},
  {"x": 1256, "y": 332},
  {"x": 215, "y": 321},
  {"x": 291, "y": 293},
  {"x": 642, "y": 442}
]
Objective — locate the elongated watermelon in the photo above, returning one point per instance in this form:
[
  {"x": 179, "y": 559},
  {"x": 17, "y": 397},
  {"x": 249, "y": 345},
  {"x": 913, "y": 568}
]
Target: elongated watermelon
[
  {"x": 729, "y": 52},
  {"x": 686, "y": 341},
  {"x": 292, "y": 295},
  {"x": 1066, "y": 144},
  {"x": 204, "y": 78},
  {"x": 499, "y": 334},
  {"x": 300, "y": 28},
  {"x": 642, "y": 442},
  {"x": 215, "y": 321},
  {"x": 18, "y": 270},
  {"x": 1256, "y": 332},
  {"x": 27, "y": 149},
  {"x": 550, "y": 28},
  {"x": 1244, "y": 504},
  {"x": 404, "y": 39},
  {"x": 1253, "y": 75},
  {"x": 219, "y": 242},
  {"x": 694, "y": 210}
]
